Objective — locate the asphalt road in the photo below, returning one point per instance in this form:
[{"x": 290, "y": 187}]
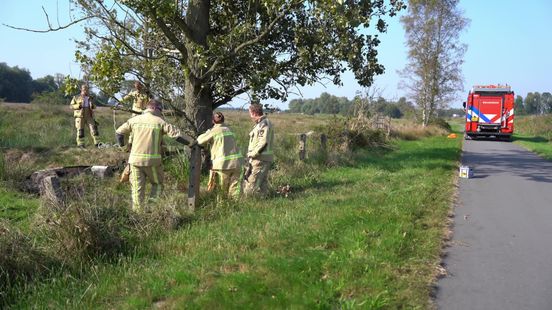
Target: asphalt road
[{"x": 501, "y": 251}]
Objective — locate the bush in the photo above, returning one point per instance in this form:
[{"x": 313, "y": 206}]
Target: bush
[
  {"x": 51, "y": 98},
  {"x": 348, "y": 135},
  {"x": 441, "y": 123}
]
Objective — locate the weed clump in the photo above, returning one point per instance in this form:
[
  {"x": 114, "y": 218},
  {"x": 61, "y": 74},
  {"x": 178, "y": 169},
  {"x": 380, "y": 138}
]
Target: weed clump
[
  {"x": 82, "y": 231},
  {"x": 94, "y": 223},
  {"x": 20, "y": 260},
  {"x": 347, "y": 135}
]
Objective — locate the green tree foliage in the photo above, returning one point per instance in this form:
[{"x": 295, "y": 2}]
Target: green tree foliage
[
  {"x": 329, "y": 104},
  {"x": 391, "y": 109},
  {"x": 16, "y": 84},
  {"x": 533, "y": 103},
  {"x": 519, "y": 107},
  {"x": 45, "y": 84},
  {"x": 326, "y": 104},
  {"x": 50, "y": 90},
  {"x": 199, "y": 54},
  {"x": 433, "y": 74},
  {"x": 546, "y": 102}
]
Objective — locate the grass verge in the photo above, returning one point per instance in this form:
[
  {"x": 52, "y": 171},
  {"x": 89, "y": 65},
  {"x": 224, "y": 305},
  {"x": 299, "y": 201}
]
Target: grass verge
[
  {"x": 537, "y": 144},
  {"x": 363, "y": 236},
  {"x": 533, "y": 132}
]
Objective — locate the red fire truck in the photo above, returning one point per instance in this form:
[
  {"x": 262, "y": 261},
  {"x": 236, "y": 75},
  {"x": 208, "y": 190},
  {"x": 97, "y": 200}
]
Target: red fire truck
[{"x": 490, "y": 112}]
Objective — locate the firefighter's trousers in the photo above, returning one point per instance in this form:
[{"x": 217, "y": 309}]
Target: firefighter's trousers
[
  {"x": 229, "y": 181},
  {"x": 81, "y": 122},
  {"x": 257, "y": 182},
  {"x": 138, "y": 177}
]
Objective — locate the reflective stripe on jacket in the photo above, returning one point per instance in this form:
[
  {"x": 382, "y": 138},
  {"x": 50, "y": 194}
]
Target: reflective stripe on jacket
[
  {"x": 77, "y": 102},
  {"x": 225, "y": 154},
  {"x": 147, "y": 130},
  {"x": 260, "y": 140}
]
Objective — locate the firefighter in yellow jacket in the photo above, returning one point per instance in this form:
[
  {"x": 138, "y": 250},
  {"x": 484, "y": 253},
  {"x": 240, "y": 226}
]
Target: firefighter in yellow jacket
[
  {"x": 259, "y": 152},
  {"x": 225, "y": 155},
  {"x": 145, "y": 155},
  {"x": 139, "y": 98},
  {"x": 83, "y": 106}
]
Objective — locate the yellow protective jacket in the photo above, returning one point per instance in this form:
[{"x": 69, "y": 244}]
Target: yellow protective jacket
[
  {"x": 77, "y": 103},
  {"x": 139, "y": 100},
  {"x": 225, "y": 154},
  {"x": 148, "y": 130},
  {"x": 260, "y": 140}
]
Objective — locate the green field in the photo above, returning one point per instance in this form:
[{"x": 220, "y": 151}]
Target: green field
[
  {"x": 364, "y": 231},
  {"x": 535, "y": 134}
]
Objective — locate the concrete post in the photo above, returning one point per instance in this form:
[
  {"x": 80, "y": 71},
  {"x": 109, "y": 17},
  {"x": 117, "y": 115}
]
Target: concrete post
[{"x": 302, "y": 146}]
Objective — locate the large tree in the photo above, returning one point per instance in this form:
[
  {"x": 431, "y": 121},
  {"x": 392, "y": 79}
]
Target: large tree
[
  {"x": 200, "y": 54},
  {"x": 16, "y": 84},
  {"x": 546, "y": 102},
  {"x": 433, "y": 73},
  {"x": 533, "y": 103}
]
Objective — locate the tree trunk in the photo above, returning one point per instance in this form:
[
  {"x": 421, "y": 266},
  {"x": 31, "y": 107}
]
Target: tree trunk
[
  {"x": 199, "y": 105},
  {"x": 198, "y": 95},
  {"x": 425, "y": 116}
]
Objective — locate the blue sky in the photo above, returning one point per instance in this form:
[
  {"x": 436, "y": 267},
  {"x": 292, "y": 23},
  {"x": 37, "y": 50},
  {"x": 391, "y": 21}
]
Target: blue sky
[{"x": 508, "y": 42}]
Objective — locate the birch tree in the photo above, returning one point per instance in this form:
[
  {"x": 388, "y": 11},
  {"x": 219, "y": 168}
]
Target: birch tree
[{"x": 433, "y": 74}]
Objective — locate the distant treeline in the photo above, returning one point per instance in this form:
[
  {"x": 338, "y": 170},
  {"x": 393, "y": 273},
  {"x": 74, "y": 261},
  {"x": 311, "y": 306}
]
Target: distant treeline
[
  {"x": 17, "y": 85},
  {"x": 534, "y": 103},
  {"x": 330, "y": 104}
]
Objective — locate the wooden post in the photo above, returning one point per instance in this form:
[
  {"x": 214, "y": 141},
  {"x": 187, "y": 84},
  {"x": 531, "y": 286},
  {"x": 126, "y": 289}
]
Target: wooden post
[
  {"x": 302, "y": 146},
  {"x": 195, "y": 173},
  {"x": 323, "y": 142}
]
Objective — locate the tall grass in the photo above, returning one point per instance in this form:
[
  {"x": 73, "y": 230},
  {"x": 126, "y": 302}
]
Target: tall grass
[
  {"x": 534, "y": 132},
  {"x": 365, "y": 236},
  {"x": 363, "y": 233},
  {"x": 535, "y": 125}
]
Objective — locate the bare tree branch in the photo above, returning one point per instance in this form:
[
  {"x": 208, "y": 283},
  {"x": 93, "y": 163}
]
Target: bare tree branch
[
  {"x": 173, "y": 39},
  {"x": 50, "y": 28},
  {"x": 228, "y": 97}
]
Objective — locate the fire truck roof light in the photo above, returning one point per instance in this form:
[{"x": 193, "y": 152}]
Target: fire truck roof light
[{"x": 492, "y": 88}]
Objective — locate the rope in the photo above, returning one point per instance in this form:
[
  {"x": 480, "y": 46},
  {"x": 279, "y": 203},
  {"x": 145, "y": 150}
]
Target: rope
[{"x": 114, "y": 121}]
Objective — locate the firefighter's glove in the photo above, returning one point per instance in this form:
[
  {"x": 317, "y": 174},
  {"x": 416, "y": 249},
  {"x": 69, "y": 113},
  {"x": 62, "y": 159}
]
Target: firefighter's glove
[
  {"x": 186, "y": 140},
  {"x": 120, "y": 140}
]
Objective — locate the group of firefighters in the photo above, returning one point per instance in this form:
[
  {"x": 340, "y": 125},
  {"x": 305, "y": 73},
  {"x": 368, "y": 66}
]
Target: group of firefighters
[{"x": 145, "y": 131}]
